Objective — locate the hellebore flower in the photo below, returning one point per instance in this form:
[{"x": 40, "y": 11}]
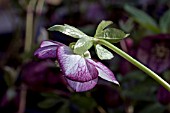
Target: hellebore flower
[
  {"x": 80, "y": 73},
  {"x": 154, "y": 51}
]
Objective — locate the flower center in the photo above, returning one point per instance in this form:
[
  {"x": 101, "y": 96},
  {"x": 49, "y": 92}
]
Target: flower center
[{"x": 161, "y": 51}]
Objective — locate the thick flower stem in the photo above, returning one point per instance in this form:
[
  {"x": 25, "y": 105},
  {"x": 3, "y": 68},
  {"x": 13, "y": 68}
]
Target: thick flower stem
[{"x": 134, "y": 62}]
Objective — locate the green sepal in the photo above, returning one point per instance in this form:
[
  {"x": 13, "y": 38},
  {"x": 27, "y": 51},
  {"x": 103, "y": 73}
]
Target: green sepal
[
  {"x": 112, "y": 35},
  {"x": 87, "y": 54},
  {"x": 82, "y": 45},
  {"x": 68, "y": 30},
  {"x": 103, "y": 53},
  {"x": 71, "y": 45},
  {"x": 103, "y": 24}
]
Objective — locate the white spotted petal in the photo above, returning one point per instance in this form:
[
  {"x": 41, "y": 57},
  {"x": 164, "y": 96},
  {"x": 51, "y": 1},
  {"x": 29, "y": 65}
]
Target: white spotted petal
[
  {"x": 82, "y": 86},
  {"x": 75, "y": 67}
]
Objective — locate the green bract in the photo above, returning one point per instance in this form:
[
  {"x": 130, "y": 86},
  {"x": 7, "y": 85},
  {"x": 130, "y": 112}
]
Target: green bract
[
  {"x": 112, "y": 35},
  {"x": 68, "y": 30},
  {"x": 82, "y": 45},
  {"x": 85, "y": 42},
  {"x": 103, "y": 53},
  {"x": 102, "y": 26}
]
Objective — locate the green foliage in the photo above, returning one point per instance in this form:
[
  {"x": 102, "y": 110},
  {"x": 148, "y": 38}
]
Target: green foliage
[
  {"x": 165, "y": 22},
  {"x": 64, "y": 108},
  {"x": 136, "y": 75},
  {"x": 103, "y": 53},
  {"x": 82, "y": 45},
  {"x": 112, "y": 35},
  {"x": 87, "y": 54},
  {"x": 139, "y": 93},
  {"x": 103, "y": 24},
  {"x": 51, "y": 100},
  {"x": 127, "y": 26},
  {"x": 142, "y": 18},
  {"x": 84, "y": 103},
  {"x": 133, "y": 86},
  {"x": 68, "y": 30},
  {"x": 48, "y": 103},
  {"x": 85, "y": 42}
]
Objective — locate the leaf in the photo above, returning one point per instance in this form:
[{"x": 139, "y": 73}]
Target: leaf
[
  {"x": 50, "y": 95},
  {"x": 142, "y": 18},
  {"x": 103, "y": 24},
  {"x": 139, "y": 93},
  {"x": 48, "y": 103},
  {"x": 64, "y": 108},
  {"x": 112, "y": 35},
  {"x": 103, "y": 53},
  {"x": 68, "y": 30},
  {"x": 165, "y": 22},
  {"x": 82, "y": 45},
  {"x": 127, "y": 26},
  {"x": 135, "y": 75},
  {"x": 83, "y": 102}
]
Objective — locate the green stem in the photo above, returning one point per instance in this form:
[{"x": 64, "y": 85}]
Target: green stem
[
  {"x": 29, "y": 25},
  {"x": 134, "y": 62}
]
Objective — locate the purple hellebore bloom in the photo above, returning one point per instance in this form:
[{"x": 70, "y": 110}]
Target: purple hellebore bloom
[
  {"x": 80, "y": 73},
  {"x": 154, "y": 51}
]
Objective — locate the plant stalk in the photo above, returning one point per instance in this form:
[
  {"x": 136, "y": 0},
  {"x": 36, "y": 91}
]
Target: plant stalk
[
  {"x": 134, "y": 62},
  {"x": 29, "y": 25}
]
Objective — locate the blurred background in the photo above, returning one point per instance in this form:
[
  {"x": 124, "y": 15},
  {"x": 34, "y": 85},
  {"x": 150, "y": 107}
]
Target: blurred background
[{"x": 30, "y": 85}]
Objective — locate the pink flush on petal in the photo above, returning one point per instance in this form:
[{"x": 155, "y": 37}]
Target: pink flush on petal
[
  {"x": 80, "y": 73},
  {"x": 82, "y": 86},
  {"x": 74, "y": 66},
  {"x": 46, "y": 52},
  {"x": 50, "y": 43},
  {"x": 105, "y": 73},
  {"x": 47, "y": 49}
]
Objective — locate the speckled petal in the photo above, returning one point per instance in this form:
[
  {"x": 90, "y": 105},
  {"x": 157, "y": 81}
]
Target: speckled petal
[
  {"x": 46, "y": 52},
  {"x": 106, "y": 73},
  {"x": 50, "y": 43},
  {"x": 82, "y": 86},
  {"x": 74, "y": 66}
]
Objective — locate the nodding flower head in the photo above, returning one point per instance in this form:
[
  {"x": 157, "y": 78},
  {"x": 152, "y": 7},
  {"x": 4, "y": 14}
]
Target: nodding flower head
[
  {"x": 154, "y": 51},
  {"x": 80, "y": 73}
]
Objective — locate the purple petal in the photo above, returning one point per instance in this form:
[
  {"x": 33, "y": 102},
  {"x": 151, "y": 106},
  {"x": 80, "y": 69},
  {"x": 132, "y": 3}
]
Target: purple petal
[
  {"x": 105, "y": 73},
  {"x": 46, "y": 52},
  {"x": 158, "y": 65},
  {"x": 75, "y": 67},
  {"x": 50, "y": 43},
  {"x": 82, "y": 86},
  {"x": 143, "y": 55}
]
